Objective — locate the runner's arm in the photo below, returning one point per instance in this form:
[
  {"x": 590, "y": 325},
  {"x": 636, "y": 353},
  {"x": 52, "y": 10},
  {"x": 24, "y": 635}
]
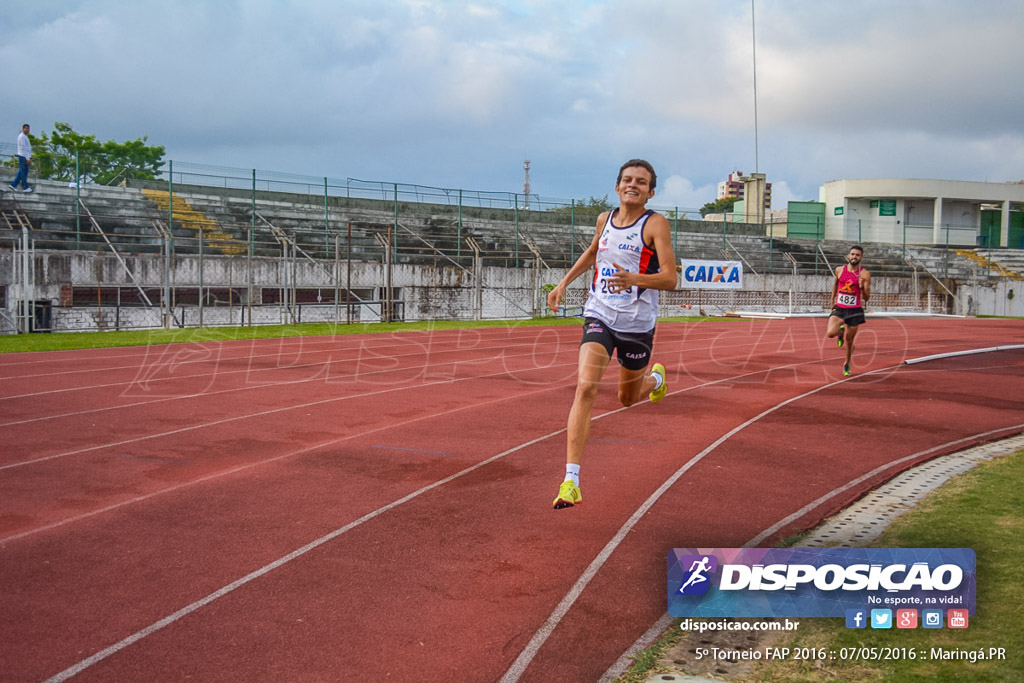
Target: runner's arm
[
  {"x": 666, "y": 278},
  {"x": 835, "y": 287},
  {"x": 584, "y": 263}
]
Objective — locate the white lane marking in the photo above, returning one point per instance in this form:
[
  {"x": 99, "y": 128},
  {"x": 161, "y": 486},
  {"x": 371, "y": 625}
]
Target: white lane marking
[
  {"x": 170, "y": 619},
  {"x": 864, "y": 477},
  {"x": 252, "y": 576},
  {"x": 235, "y": 418},
  {"x": 623, "y": 663},
  {"x": 967, "y": 352},
  {"x": 525, "y": 657}
]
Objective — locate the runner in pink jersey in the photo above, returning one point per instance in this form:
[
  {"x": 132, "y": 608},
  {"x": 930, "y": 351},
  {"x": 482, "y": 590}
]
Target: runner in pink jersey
[{"x": 850, "y": 291}]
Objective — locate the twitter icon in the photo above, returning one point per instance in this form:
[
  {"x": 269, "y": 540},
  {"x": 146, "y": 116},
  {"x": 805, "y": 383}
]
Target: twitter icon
[{"x": 881, "y": 618}]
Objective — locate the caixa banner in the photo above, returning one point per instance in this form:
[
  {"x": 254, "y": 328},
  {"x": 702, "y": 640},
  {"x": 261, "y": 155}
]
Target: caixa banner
[
  {"x": 699, "y": 274},
  {"x": 816, "y": 582}
]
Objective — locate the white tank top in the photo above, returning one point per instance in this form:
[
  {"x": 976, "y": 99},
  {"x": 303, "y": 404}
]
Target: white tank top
[{"x": 630, "y": 310}]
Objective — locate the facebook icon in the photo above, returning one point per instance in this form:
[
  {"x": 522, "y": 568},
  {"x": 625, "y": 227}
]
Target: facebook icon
[{"x": 856, "y": 618}]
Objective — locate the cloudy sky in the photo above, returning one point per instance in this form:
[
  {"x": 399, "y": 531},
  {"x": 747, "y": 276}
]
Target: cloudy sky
[{"x": 455, "y": 93}]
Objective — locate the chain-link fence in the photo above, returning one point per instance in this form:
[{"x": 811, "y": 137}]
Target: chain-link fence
[{"x": 205, "y": 245}]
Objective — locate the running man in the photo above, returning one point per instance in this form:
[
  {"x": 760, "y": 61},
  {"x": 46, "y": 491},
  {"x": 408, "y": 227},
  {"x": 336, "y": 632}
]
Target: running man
[
  {"x": 631, "y": 254},
  {"x": 697, "y": 570},
  {"x": 850, "y": 291}
]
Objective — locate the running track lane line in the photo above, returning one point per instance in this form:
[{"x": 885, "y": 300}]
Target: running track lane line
[
  {"x": 257, "y": 387},
  {"x": 242, "y": 417},
  {"x": 142, "y": 378},
  {"x": 246, "y": 387},
  {"x": 185, "y": 611},
  {"x": 622, "y": 663},
  {"x": 242, "y": 468},
  {"x": 540, "y": 637},
  {"x": 968, "y": 352},
  {"x": 235, "y": 418},
  {"x": 864, "y": 477},
  {"x": 525, "y": 657}
]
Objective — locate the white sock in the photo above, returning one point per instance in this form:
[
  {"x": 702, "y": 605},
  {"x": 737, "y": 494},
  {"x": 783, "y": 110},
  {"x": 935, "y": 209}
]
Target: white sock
[
  {"x": 658, "y": 380},
  {"x": 572, "y": 471}
]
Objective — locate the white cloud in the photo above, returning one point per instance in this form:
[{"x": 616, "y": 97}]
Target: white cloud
[
  {"x": 677, "y": 191},
  {"x": 460, "y": 92}
]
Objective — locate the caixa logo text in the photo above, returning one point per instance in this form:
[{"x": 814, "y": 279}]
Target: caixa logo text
[
  {"x": 711, "y": 273},
  {"x": 830, "y": 577}
]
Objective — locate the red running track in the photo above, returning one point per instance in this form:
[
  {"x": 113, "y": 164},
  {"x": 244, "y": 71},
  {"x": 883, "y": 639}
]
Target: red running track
[{"x": 361, "y": 508}]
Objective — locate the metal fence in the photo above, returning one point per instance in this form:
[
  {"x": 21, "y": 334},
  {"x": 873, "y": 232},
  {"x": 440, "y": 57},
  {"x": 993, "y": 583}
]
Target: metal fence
[{"x": 205, "y": 245}]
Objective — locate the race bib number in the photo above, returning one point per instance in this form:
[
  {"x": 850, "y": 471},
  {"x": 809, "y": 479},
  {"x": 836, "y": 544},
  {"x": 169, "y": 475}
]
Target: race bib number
[
  {"x": 848, "y": 300},
  {"x": 606, "y": 290}
]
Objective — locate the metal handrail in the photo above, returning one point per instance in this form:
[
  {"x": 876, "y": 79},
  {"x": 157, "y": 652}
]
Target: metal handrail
[{"x": 116, "y": 253}]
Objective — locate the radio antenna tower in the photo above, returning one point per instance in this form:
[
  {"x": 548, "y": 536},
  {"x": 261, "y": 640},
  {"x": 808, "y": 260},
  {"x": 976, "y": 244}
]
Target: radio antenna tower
[{"x": 526, "y": 184}]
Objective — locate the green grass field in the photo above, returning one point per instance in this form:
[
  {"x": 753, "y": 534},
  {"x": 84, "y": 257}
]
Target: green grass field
[
  {"x": 982, "y": 509},
  {"x": 97, "y": 340}
]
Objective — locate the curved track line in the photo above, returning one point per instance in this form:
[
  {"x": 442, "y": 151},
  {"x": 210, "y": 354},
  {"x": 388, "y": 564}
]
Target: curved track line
[
  {"x": 259, "y": 414},
  {"x": 623, "y": 663},
  {"x": 521, "y": 663},
  {"x": 868, "y": 475},
  {"x": 170, "y": 619},
  {"x": 331, "y": 442},
  {"x": 661, "y": 625},
  {"x": 967, "y": 352}
]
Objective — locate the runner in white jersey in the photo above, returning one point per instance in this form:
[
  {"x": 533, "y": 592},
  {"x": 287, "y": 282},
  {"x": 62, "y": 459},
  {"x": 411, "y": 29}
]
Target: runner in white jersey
[
  {"x": 632, "y": 309},
  {"x": 632, "y": 257}
]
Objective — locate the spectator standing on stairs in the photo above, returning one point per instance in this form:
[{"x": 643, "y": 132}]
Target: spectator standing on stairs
[{"x": 24, "y": 156}]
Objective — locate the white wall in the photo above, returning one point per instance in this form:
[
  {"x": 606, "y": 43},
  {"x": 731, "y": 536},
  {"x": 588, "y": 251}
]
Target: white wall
[{"x": 915, "y": 218}]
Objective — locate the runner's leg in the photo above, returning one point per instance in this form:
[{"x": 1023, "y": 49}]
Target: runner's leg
[
  {"x": 634, "y": 384},
  {"x": 832, "y": 329},
  {"x": 593, "y": 361},
  {"x": 851, "y": 332}
]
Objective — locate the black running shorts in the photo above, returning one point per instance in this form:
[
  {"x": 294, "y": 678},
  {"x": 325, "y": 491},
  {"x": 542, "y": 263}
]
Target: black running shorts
[
  {"x": 850, "y": 316},
  {"x": 633, "y": 349}
]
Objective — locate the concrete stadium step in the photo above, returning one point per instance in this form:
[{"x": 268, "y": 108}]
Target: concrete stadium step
[
  {"x": 1000, "y": 262},
  {"x": 193, "y": 219},
  {"x": 127, "y": 214}
]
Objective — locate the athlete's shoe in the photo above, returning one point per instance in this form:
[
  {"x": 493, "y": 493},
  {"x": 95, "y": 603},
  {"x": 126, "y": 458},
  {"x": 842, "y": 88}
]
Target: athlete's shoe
[
  {"x": 568, "y": 495},
  {"x": 660, "y": 392},
  {"x": 841, "y": 339},
  {"x": 846, "y": 370}
]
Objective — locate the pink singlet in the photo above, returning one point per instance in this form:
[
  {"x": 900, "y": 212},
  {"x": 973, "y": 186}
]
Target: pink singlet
[{"x": 848, "y": 292}]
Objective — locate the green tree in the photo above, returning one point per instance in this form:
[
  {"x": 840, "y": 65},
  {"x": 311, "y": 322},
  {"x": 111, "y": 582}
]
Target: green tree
[
  {"x": 53, "y": 157},
  {"x": 723, "y": 205}
]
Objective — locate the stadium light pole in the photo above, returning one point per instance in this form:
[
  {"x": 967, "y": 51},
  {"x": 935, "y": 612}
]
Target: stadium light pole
[{"x": 753, "y": 43}]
